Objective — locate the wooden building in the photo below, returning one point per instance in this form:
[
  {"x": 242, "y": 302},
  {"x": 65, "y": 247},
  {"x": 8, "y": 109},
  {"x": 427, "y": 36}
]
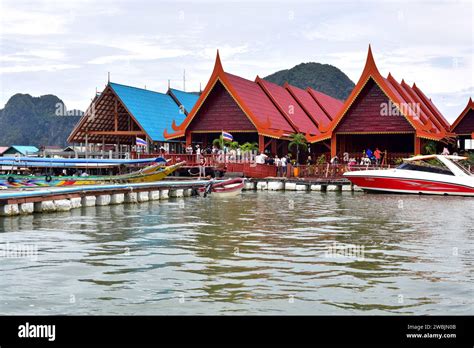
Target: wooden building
[
  {"x": 381, "y": 112},
  {"x": 122, "y": 113},
  {"x": 463, "y": 127},
  {"x": 254, "y": 111}
]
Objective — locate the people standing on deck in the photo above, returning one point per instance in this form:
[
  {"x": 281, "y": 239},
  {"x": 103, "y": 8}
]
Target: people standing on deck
[
  {"x": 284, "y": 165},
  {"x": 378, "y": 156},
  {"x": 202, "y": 166},
  {"x": 198, "y": 153},
  {"x": 189, "y": 150},
  {"x": 369, "y": 154},
  {"x": 278, "y": 165},
  {"x": 445, "y": 151}
]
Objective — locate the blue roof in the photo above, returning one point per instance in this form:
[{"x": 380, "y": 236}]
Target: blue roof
[
  {"x": 154, "y": 111},
  {"x": 23, "y": 149},
  {"x": 186, "y": 99}
]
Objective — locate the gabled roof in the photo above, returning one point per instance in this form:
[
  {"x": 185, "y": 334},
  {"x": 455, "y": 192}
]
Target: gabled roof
[
  {"x": 288, "y": 107},
  {"x": 152, "y": 110},
  {"x": 3, "y": 149},
  {"x": 425, "y": 122},
  {"x": 184, "y": 98},
  {"x": 469, "y": 106},
  {"x": 310, "y": 106},
  {"x": 275, "y": 111},
  {"x": 23, "y": 149},
  {"x": 329, "y": 104}
]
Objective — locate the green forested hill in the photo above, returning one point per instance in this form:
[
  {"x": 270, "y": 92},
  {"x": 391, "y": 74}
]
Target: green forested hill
[
  {"x": 28, "y": 120},
  {"x": 322, "y": 77}
]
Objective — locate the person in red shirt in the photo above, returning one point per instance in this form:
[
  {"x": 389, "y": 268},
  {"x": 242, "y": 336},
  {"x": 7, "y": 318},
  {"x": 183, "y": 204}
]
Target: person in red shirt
[{"x": 378, "y": 156}]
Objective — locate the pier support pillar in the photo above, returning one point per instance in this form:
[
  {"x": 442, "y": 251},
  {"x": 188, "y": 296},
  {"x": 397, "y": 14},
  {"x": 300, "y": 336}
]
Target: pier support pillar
[
  {"x": 76, "y": 202},
  {"x": 301, "y": 187},
  {"x": 187, "y": 192},
  {"x": 103, "y": 200},
  {"x": 333, "y": 188},
  {"x": 44, "y": 207},
  {"x": 176, "y": 193},
  {"x": 88, "y": 201},
  {"x": 63, "y": 205},
  {"x": 9, "y": 210},
  {"x": 276, "y": 185},
  {"x": 154, "y": 195},
  {"x": 164, "y": 194},
  {"x": 117, "y": 198},
  {"x": 131, "y": 197},
  {"x": 142, "y": 196},
  {"x": 316, "y": 188},
  {"x": 249, "y": 185},
  {"x": 26, "y": 208},
  {"x": 290, "y": 186},
  {"x": 346, "y": 188},
  {"x": 262, "y": 185}
]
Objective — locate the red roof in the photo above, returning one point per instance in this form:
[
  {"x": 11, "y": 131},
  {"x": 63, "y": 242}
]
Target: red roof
[
  {"x": 427, "y": 123},
  {"x": 289, "y": 107},
  {"x": 329, "y": 104},
  {"x": 257, "y": 101},
  {"x": 310, "y": 105},
  {"x": 274, "y": 110}
]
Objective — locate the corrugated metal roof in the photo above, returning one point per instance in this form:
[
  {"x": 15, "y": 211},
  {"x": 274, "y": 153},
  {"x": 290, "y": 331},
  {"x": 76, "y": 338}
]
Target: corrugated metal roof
[
  {"x": 23, "y": 149},
  {"x": 154, "y": 111},
  {"x": 186, "y": 99}
]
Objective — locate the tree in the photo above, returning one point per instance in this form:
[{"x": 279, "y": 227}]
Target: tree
[
  {"x": 249, "y": 147},
  {"x": 299, "y": 141},
  {"x": 430, "y": 147}
]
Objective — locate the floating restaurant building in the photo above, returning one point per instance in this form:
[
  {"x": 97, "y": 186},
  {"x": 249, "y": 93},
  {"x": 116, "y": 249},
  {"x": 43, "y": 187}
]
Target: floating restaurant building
[
  {"x": 463, "y": 127},
  {"x": 381, "y": 112},
  {"x": 254, "y": 111},
  {"x": 122, "y": 113}
]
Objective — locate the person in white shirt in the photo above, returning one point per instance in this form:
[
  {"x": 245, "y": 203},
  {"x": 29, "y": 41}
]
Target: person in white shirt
[{"x": 278, "y": 165}]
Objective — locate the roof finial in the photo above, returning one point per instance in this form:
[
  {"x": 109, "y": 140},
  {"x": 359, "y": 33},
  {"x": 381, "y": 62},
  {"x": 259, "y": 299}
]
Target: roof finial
[
  {"x": 218, "y": 64},
  {"x": 370, "y": 66}
]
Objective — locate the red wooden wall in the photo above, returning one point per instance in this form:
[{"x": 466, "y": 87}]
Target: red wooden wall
[
  {"x": 466, "y": 126},
  {"x": 365, "y": 114},
  {"x": 220, "y": 112}
]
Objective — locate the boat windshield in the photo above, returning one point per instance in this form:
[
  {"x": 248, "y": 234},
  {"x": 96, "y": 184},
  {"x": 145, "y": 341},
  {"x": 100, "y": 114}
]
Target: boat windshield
[
  {"x": 431, "y": 166},
  {"x": 463, "y": 165}
]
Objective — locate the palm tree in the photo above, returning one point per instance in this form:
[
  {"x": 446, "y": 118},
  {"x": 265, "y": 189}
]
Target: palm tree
[
  {"x": 249, "y": 147},
  {"x": 233, "y": 145},
  {"x": 298, "y": 140}
]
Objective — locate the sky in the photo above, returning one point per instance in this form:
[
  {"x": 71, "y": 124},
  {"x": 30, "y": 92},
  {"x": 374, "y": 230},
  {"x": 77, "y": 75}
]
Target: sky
[{"x": 67, "y": 48}]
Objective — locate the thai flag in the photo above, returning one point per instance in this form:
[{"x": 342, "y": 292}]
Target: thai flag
[
  {"x": 141, "y": 142},
  {"x": 227, "y": 136}
]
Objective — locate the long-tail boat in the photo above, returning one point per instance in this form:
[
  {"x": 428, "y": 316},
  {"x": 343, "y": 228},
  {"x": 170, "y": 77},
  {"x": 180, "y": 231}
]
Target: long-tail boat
[{"x": 156, "y": 171}]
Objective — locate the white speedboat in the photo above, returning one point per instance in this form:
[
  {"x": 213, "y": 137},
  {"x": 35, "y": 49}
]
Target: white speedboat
[{"x": 431, "y": 174}]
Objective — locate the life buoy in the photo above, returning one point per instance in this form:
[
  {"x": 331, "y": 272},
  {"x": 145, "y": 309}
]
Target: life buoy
[
  {"x": 48, "y": 178},
  {"x": 11, "y": 179}
]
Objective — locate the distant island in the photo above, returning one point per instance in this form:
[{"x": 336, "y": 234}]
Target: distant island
[
  {"x": 324, "y": 78},
  {"x": 37, "y": 121}
]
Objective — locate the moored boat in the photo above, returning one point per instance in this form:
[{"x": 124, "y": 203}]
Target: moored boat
[
  {"x": 154, "y": 172},
  {"x": 430, "y": 174},
  {"x": 227, "y": 188}
]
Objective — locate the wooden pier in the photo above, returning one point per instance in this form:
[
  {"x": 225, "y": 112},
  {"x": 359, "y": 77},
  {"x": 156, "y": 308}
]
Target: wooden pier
[{"x": 56, "y": 199}]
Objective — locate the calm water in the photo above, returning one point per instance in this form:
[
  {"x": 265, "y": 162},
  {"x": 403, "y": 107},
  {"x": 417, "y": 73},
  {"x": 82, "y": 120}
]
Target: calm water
[{"x": 261, "y": 253}]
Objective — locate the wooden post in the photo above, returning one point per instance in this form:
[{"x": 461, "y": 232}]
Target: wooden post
[
  {"x": 333, "y": 145},
  {"x": 274, "y": 147},
  {"x": 417, "y": 149},
  {"x": 261, "y": 143},
  {"x": 188, "y": 138}
]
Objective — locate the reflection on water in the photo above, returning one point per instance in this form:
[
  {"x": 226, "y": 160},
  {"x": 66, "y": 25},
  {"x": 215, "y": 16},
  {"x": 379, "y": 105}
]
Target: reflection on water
[{"x": 265, "y": 252}]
